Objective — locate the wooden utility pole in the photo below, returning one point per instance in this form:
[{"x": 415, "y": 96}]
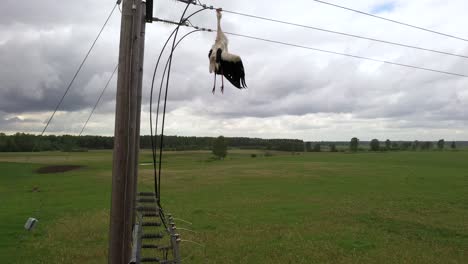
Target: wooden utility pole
[
  {"x": 139, "y": 84},
  {"x": 127, "y": 127}
]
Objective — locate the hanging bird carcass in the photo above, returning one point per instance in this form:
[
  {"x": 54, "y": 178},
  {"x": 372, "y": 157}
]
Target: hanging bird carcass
[{"x": 224, "y": 63}]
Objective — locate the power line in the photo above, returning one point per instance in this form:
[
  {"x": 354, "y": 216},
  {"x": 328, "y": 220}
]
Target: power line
[
  {"x": 342, "y": 33},
  {"x": 336, "y": 53},
  {"x": 79, "y": 69},
  {"x": 347, "y": 55},
  {"x": 183, "y": 22},
  {"x": 165, "y": 99},
  {"x": 391, "y": 20},
  {"x": 98, "y": 100}
]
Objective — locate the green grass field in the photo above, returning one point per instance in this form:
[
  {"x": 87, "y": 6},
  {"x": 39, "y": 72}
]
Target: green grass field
[{"x": 396, "y": 207}]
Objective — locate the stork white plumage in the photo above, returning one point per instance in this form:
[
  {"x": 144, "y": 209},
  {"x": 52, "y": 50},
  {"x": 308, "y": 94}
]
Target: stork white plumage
[{"x": 224, "y": 63}]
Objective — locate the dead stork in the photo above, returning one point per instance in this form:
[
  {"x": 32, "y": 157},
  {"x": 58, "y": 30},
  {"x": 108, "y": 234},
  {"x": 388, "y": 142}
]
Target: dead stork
[{"x": 224, "y": 63}]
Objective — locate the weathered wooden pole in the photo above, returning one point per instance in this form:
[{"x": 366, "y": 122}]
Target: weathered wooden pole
[
  {"x": 127, "y": 126},
  {"x": 139, "y": 86}
]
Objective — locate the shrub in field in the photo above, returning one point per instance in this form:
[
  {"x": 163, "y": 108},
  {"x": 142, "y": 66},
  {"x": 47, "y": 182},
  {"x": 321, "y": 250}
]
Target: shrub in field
[
  {"x": 441, "y": 144},
  {"x": 388, "y": 144},
  {"x": 374, "y": 145},
  {"x": 354, "y": 144},
  {"x": 453, "y": 145},
  {"x": 220, "y": 147}
]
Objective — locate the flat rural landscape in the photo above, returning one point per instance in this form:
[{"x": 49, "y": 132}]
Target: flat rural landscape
[
  {"x": 234, "y": 132},
  {"x": 381, "y": 207}
]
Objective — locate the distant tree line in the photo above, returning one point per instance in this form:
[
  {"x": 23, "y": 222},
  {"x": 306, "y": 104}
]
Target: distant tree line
[
  {"x": 21, "y": 142},
  {"x": 355, "y": 145},
  {"x": 375, "y": 145}
]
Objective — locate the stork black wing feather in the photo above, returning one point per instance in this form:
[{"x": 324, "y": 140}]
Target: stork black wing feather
[{"x": 234, "y": 72}]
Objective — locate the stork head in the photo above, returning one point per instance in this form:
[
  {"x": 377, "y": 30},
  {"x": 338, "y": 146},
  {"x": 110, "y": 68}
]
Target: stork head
[{"x": 218, "y": 13}]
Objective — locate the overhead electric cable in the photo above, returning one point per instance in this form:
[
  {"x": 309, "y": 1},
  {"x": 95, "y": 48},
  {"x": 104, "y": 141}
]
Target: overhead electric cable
[
  {"x": 347, "y": 55},
  {"x": 98, "y": 100},
  {"x": 343, "y": 33},
  {"x": 153, "y": 140},
  {"x": 159, "y": 97},
  {"x": 165, "y": 98},
  {"x": 157, "y": 180},
  {"x": 165, "y": 69},
  {"x": 336, "y": 53},
  {"x": 79, "y": 69},
  {"x": 391, "y": 20}
]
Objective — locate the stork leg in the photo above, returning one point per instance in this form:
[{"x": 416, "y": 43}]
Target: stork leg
[
  {"x": 214, "y": 84},
  {"x": 222, "y": 84}
]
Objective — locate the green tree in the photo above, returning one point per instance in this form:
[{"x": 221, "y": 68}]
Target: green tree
[
  {"x": 441, "y": 144},
  {"x": 354, "y": 144},
  {"x": 374, "y": 145},
  {"x": 388, "y": 144},
  {"x": 220, "y": 147},
  {"x": 453, "y": 145},
  {"x": 333, "y": 148}
]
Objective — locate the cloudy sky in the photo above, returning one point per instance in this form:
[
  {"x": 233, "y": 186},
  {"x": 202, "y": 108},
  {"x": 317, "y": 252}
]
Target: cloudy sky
[{"x": 293, "y": 93}]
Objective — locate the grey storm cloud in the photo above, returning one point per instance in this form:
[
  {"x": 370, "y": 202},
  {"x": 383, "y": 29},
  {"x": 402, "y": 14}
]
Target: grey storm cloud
[{"x": 291, "y": 89}]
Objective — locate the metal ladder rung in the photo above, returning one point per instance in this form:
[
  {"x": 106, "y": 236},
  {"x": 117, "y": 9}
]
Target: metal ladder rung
[
  {"x": 146, "y": 194},
  {"x": 149, "y": 260},
  {"x": 151, "y": 224},
  {"x": 147, "y": 209},
  {"x": 146, "y": 200},
  {"x": 150, "y": 215},
  {"x": 156, "y": 247},
  {"x": 152, "y": 236}
]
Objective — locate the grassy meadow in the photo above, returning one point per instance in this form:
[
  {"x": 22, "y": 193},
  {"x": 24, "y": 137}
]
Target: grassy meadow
[{"x": 394, "y": 207}]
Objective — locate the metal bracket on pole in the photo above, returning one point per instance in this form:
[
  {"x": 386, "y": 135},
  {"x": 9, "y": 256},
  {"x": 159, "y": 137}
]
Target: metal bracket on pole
[
  {"x": 175, "y": 240},
  {"x": 156, "y": 19},
  {"x": 136, "y": 247},
  {"x": 149, "y": 11}
]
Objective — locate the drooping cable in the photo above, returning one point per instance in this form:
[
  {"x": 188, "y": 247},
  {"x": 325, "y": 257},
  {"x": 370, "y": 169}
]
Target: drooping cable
[
  {"x": 157, "y": 181},
  {"x": 159, "y": 96},
  {"x": 154, "y": 140},
  {"x": 78, "y": 70},
  {"x": 165, "y": 101},
  {"x": 154, "y": 136},
  {"x": 98, "y": 100}
]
